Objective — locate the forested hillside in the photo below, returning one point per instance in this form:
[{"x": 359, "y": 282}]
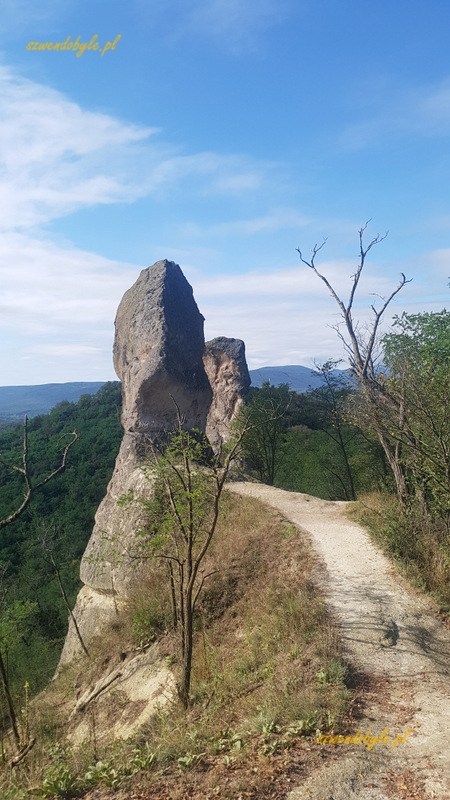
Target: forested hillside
[{"x": 33, "y": 618}]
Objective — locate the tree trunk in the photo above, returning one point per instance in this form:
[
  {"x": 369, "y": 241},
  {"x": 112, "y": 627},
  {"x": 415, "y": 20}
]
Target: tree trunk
[
  {"x": 9, "y": 702},
  {"x": 185, "y": 688},
  {"x": 397, "y": 469}
]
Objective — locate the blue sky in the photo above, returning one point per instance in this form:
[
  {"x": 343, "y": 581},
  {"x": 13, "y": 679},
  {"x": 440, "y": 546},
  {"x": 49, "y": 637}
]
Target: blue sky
[{"x": 222, "y": 135}]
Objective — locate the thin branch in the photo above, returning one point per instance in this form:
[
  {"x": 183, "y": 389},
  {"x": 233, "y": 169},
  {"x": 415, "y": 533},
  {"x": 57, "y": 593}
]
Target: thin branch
[
  {"x": 30, "y": 488},
  {"x": 204, "y": 578}
]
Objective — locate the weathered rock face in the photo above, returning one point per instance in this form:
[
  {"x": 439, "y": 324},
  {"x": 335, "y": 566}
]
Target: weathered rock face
[
  {"x": 158, "y": 351},
  {"x": 226, "y": 368},
  {"x": 160, "y": 357}
]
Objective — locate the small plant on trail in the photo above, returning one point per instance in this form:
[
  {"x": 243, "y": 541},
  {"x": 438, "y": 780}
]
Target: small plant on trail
[
  {"x": 103, "y": 773},
  {"x": 142, "y": 758},
  {"x": 190, "y": 760}
]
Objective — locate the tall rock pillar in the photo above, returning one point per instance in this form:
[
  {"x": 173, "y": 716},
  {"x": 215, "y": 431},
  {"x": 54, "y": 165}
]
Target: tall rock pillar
[{"x": 158, "y": 351}]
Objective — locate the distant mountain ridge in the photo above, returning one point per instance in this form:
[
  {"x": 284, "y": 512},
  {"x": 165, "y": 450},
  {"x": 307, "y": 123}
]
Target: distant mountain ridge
[
  {"x": 16, "y": 402},
  {"x": 299, "y": 379}
]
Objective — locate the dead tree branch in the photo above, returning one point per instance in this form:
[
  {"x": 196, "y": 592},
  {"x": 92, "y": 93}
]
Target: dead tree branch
[{"x": 24, "y": 470}]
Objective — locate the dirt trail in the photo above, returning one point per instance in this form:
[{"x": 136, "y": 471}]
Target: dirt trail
[{"x": 389, "y": 632}]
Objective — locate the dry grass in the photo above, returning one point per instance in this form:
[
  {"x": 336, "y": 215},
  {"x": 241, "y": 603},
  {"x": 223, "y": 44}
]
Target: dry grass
[
  {"x": 419, "y": 544},
  {"x": 267, "y": 668}
]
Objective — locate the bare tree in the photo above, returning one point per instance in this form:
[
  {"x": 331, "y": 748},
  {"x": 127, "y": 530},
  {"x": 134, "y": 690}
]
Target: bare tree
[
  {"x": 23, "y": 747},
  {"x": 182, "y": 520},
  {"x": 30, "y": 486},
  {"x": 14, "y": 618},
  {"x": 47, "y": 542},
  {"x": 386, "y": 412}
]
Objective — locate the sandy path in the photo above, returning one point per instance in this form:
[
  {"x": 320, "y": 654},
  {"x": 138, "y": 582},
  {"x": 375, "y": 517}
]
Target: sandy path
[{"x": 388, "y": 631}]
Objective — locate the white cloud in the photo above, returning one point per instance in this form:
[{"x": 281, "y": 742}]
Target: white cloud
[
  {"x": 60, "y": 304},
  {"x": 285, "y": 331},
  {"x": 50, "y": 289},
  {"x": 295, "y": 281},
  {"x": 215, "y": 173},
  {"x": 57, "y": 303},
  {"x": 56, "y": 157}
]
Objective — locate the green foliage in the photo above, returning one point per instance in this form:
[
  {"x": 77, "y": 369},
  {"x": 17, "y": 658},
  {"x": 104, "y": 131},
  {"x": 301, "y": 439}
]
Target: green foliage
[
  {"x": 306, "y": 443},
  {"x": 149, "y": 619},
  {"x": 265, "y": 418},
  {"x": 418, "y": 542},
  {"x": 67, "y": 504},
  {"x": 311, "y": 462},
  {"x": 253, "y": 693},
  {"x": 14, "y": 620},
  {"x": 417, "y": 355},
  {"x": 59, "y": 780},
  {"x": 181, "y": 502},
  {"x": 190, "y": 760},
  {"x": 103, "y": 773},
  {"x": 142, "y": 758},
  {"x": 334, "y": 673},
  {"x": 14, "y": 793}
]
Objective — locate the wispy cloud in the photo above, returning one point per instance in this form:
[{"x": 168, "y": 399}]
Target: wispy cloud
[
  {"x": 18, "y": 15},
  {"x": 57, "y": 307},
  {"x": 235, "y": 24},
  {"x": 286, "y": 316},
  {"x": 63, "y": 350},
  {"x": 422, "y": 111},
  {"x": 56, "y": 157},
  {"x": 61, "y": 302},
  {"x": 276, "y": 220},
  {"x": 294, "y": 282}
]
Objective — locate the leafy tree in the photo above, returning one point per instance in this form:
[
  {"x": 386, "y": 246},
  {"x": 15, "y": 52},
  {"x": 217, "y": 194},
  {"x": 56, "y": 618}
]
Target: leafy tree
[
  {"x": 15, "y": 619},
  {"x": 331, "y": 400},
  {"x": 417, "y": 355},
  {"x": 265, "y": 422}
]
